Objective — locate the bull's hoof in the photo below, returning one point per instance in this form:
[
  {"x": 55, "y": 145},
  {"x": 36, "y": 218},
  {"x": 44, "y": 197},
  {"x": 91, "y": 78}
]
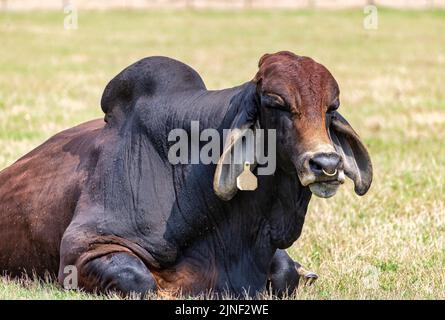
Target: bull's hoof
[{"x": 308, "y": 277}]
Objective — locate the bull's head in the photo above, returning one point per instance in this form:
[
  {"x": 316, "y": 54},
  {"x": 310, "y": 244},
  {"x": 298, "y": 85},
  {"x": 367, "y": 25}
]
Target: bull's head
[{"x": 299, "y": 98}]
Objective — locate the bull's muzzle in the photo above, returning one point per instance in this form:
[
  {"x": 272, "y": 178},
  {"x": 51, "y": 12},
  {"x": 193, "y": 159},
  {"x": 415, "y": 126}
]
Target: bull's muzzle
[{"x": 323, "y": 172}]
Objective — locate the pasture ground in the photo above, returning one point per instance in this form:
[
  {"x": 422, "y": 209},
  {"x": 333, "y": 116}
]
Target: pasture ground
[{"x": 388, "y": 244}]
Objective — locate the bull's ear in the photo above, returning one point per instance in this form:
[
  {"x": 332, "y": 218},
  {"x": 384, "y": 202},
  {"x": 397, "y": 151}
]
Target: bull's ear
[
  {"x": 238, "y": 144},
  {"x": 357, "y": 162}
]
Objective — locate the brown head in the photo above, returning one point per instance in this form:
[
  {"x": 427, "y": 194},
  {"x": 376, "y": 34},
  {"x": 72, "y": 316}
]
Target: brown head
[{"x": 299, "y": 98}]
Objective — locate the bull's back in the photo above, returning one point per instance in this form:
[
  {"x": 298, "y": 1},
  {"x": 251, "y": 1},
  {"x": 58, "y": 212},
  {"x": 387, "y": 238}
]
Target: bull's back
[{"x": 38, "y": 195}]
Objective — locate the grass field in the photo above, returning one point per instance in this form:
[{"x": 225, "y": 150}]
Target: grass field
[{"x": 388, "y": 244}]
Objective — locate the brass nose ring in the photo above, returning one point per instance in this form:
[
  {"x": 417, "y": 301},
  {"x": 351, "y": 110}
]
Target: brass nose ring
[{"x": 329, "y": 174}]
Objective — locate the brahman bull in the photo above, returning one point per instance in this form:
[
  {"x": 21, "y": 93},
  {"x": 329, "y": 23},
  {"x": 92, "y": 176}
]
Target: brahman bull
[{"x": 102, "y": 197}]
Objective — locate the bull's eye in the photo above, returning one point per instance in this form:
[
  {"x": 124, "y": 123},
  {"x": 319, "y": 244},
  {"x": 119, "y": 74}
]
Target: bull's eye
[{"x": 273, "y": 100}]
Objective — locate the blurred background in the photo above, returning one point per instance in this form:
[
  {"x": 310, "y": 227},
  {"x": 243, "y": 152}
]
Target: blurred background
[
  {"x": 242, "y": 4},
  {"x": 387, "y": 56}
]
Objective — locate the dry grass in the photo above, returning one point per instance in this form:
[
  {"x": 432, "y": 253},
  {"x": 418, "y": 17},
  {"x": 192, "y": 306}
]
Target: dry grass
[{"x": 388, "y": 244}]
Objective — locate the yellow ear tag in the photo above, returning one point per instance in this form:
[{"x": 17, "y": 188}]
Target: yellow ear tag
[{"x": 247, "y": 181}]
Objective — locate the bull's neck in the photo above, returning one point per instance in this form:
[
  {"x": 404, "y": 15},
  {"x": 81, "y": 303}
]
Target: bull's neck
[{"x": 174, "y": 206}]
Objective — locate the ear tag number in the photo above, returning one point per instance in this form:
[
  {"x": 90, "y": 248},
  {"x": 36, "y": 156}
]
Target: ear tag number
[{"x": 247, "y": 181}]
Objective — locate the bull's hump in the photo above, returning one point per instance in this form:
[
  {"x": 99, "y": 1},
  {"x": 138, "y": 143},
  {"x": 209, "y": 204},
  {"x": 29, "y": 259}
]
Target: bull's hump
[
  {"x": 152, "y": 76},
  {"x": 169, "y": 74}
]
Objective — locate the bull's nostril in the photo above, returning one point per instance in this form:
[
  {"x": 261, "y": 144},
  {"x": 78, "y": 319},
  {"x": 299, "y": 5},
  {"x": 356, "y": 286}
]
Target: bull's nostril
[
  {"x": 325, "y": 164},
  {"x": 315, "y": 166}
]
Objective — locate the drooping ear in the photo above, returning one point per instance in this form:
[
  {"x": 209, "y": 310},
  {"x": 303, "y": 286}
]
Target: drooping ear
[
  {"x": 357, "y": 162},
  {"x": 238, "y": 144}
]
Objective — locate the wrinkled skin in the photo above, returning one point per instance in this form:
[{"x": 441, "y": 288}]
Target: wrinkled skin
[{"x": 103, "y": 197}]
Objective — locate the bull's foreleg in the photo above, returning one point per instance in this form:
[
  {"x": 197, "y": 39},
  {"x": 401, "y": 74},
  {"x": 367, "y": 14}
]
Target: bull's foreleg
[
  {"x": 285, "y": 274},
  {"x": 119, "y": 272}
]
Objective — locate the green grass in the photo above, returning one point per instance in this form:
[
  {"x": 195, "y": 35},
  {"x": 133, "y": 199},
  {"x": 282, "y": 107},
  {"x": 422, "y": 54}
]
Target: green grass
[{"x": 388, "y": 244}]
